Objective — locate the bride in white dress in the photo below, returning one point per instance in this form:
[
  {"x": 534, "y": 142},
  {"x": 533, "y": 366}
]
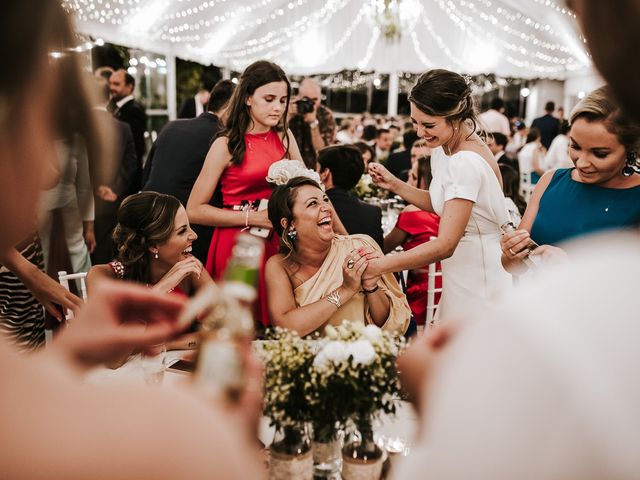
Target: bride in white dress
[{"x": 465, "y": 192}]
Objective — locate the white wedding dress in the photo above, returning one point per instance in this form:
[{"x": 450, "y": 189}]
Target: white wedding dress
[{"x": 473, "y": 273}]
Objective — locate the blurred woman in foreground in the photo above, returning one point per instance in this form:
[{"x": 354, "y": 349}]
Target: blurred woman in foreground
[{"x": 80, "y": 431}]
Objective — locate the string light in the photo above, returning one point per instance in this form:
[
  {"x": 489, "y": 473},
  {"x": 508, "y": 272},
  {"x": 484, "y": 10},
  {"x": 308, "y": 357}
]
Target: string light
[
  {"x": 478, "y": 35},
  {"x": 362, "y": 64},
  {"x": 529, "y": 41}
]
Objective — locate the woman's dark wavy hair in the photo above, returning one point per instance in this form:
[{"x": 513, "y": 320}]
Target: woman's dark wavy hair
[
  {"x": 145, "y": 220},
  {"x": 239, "y": 119},
  {"x": 511, "y": 186},
  {"x": 442, "y": 93},
  {"x": 281, "y": 206}
]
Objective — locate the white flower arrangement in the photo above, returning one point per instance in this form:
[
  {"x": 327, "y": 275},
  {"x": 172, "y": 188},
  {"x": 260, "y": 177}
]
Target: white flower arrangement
[
  {"x": 282, "y": 171},
  {"x": 353, "y": 375},
  {"x": 349, "y": 373}
]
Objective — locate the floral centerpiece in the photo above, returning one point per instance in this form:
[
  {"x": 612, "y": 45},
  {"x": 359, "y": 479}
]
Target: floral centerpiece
[
  {"x": 354, "y": 374},
  {"x": 344, "y": 379},
  {"x": 288, "y": 363},
  {"x": 354, "y": 379}
]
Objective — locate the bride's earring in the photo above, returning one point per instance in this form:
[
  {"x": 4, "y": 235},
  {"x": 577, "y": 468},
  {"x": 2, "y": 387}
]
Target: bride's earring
[{"x": 155, "y": 254}]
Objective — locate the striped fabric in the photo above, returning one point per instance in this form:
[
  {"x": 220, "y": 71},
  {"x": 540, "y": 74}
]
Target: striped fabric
[{"x": 21, "y": 316}]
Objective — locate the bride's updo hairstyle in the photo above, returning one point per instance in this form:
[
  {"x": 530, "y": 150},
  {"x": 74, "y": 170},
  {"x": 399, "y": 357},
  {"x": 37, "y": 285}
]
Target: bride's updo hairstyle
[
  {"x": 281, "y": 207},
  {"x": 145, "y": 220},
  {"x": 442, "y": 93}
]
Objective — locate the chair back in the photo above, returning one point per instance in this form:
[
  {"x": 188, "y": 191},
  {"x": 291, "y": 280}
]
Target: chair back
[
  {"x": 64, "y": 278},
  {"x": 432, "y": 274}
]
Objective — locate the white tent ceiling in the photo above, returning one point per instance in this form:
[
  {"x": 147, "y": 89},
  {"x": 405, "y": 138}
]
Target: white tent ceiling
[{"x": 511, "y": 38}]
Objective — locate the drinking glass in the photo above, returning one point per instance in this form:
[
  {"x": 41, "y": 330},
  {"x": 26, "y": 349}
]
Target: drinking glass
[{"x": 154, "y": 364}]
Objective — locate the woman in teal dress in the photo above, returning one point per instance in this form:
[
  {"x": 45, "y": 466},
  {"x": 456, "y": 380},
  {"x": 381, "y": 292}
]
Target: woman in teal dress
[{"x": 601, "y": 192}]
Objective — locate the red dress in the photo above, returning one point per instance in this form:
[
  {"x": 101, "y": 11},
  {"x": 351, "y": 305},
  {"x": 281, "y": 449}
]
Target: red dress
[
  {"x": 420, "y": 226},
  {"x": 246, "y": 182}
]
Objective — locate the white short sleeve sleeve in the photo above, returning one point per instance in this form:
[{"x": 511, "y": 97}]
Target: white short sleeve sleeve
[{"x": 463, "y": 177}]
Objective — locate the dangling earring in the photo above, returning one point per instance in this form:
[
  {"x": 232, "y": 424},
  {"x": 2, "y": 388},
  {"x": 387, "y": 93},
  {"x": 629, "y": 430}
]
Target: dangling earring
[
  {"x": 292, "y": 234},
  {"x": 155, "y": 254},
  {"x": 632, "y": 165}
]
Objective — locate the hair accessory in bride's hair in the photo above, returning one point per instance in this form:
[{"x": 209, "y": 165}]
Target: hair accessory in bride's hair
[{"x": 284, "y": 170}]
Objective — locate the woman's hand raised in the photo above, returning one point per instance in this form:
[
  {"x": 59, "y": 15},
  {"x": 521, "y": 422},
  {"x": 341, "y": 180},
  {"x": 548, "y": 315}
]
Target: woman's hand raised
[
  {"x": 383, "y": 177},
  {"x": 180, "y": 271}
]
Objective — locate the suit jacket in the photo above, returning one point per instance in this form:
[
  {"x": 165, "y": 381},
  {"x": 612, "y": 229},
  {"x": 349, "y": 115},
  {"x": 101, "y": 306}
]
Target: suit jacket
[
  {"x": 549, "y": 127},
  {"x": 134, "y": 114},
  {"x": 357, "y": 216},
  {"x": 399, "y": 164},
  {"x": 175, "y": 161},
  {"x": 120, "y": 176}
]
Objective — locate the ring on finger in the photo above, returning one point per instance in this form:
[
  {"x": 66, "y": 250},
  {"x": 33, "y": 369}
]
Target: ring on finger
[
  {"x": 512, "y": 252},
  {"x": 350, "y": 264}
]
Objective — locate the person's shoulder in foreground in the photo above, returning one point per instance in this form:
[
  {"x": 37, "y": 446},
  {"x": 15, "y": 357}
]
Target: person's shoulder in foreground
[{"x": 558, "y": 380}]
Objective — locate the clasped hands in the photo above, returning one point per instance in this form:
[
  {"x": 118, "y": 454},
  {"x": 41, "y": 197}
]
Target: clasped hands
[{"x": 355, "y": 269}]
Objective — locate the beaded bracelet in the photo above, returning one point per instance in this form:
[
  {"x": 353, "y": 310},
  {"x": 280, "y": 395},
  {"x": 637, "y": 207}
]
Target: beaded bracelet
[
  {"x": 367, "y": 292},
  {"x": 334, "y": 297},
  {"x": 247, "y": 209}
]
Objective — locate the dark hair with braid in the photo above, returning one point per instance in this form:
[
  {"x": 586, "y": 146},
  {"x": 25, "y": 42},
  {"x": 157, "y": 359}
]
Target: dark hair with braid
[
  {"x": 239, "y": 120},
  {"x": 442, "y": 93},
  {"x": 281, "y": 206},
  {"x": 145, "y": 220}
]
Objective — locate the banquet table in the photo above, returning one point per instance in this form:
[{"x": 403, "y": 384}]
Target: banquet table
[{"x": 395, "y": 434}]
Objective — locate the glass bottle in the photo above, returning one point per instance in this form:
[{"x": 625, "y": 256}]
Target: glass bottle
[
  {"x": 227, "y": 327},
  {"x": 529, "y": 261},
  {"x": 361, "y": 457}
]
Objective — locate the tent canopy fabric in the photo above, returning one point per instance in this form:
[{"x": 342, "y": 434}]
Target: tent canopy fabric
[{"x": 510, "y": 38}]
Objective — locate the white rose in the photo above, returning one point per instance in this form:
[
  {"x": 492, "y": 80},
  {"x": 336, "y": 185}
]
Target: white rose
[
  {"x": 372, "y": 333},
  {"x": 362, "y": 352},
  {"x": 333, "y": 351}
]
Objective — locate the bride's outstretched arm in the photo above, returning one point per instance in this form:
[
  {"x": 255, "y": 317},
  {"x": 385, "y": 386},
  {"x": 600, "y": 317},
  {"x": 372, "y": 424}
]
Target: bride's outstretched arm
[
  {"x": 385, "y": 179},
  {"x": 452, "y": 224}
]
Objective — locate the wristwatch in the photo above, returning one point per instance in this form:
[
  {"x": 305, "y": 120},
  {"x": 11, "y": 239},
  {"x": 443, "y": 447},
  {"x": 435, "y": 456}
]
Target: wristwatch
[{"x": 314, "y": 124}]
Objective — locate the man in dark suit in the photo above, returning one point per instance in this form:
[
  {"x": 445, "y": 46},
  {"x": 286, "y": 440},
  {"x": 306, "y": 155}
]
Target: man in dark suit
[
  {"x": 399, "y": 163},
  {"x": 341, "y": 167},
  {"x": 177, "y": 156},
  {"x": 548, "y": 125},
  {"x": 112, "y": 182},
  {"x": 125, "y": 108}
]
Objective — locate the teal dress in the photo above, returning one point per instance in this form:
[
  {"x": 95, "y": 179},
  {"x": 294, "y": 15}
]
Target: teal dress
[{"x": 570, "y": 209}]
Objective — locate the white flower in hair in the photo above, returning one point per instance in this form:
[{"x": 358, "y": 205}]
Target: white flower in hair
[{"x": 284, "y": 170}]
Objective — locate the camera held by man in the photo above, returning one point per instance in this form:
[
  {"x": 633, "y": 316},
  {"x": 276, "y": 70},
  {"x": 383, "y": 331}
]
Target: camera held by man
[{"x": 311, "y": 123}]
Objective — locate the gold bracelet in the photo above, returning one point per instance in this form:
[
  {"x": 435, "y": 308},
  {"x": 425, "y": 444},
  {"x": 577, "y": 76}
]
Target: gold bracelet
[{"x": 334, "y": 297}]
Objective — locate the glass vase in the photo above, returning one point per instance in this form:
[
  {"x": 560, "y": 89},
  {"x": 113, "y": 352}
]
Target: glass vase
[
  {"x": 361, "y": 457},
  {"x": 291, "y": 455},
  {"x": 327, "y": 458}
]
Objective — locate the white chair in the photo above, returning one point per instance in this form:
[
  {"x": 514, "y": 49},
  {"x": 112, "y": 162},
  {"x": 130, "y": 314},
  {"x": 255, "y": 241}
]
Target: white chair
[
  {"x": 432, "y": 273},
  {"x": 63, "y": 278}
]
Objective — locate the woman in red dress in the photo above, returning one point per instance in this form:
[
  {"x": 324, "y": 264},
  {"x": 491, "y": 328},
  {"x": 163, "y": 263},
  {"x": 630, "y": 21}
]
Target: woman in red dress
[
  {"x": 255, "y": 136},
  {"x": 414, "y": 227}
]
